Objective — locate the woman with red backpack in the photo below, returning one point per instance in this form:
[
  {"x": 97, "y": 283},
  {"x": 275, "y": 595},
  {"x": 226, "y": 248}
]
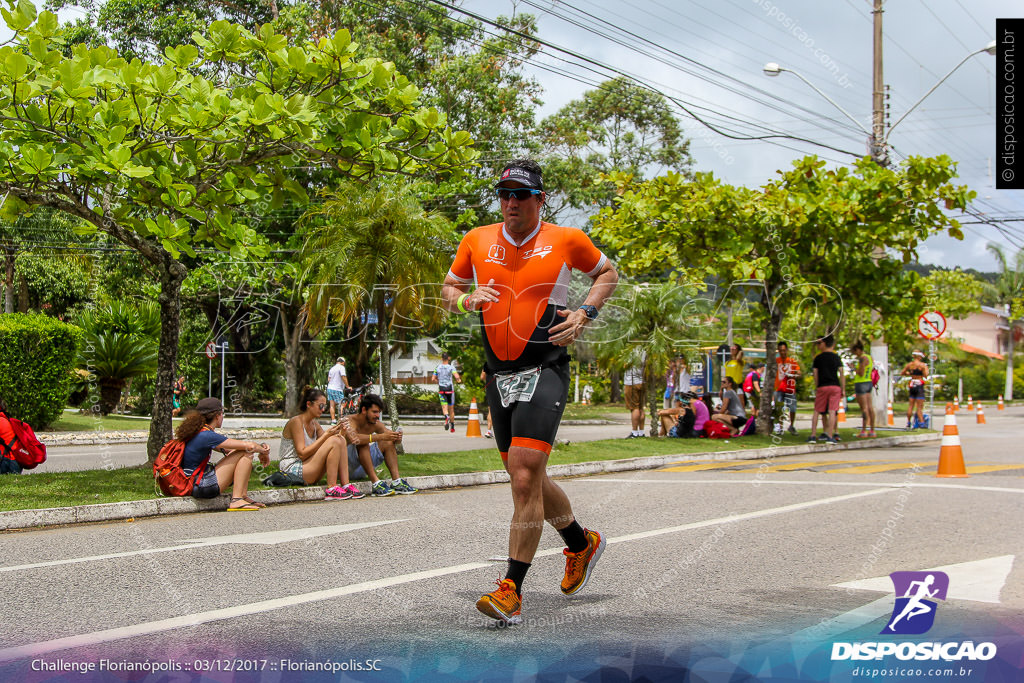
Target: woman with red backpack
[{"x": 197, "y": 431}]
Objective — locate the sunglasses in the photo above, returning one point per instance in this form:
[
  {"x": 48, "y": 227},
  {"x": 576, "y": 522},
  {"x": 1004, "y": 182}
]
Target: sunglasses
[
  {"x": 321, "y": 406},
  {"x": 521, "y": 193}
]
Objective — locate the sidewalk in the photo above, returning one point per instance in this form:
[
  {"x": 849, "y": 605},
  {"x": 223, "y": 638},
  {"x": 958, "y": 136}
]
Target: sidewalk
[{"x": 20, "y": 519}]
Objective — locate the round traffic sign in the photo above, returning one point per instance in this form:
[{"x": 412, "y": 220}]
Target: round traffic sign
[
  {"x": 931, "y": 324},
  {"x": 211, "y": 350}
]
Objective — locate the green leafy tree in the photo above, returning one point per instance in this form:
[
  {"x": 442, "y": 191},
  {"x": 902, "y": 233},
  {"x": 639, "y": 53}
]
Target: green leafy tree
[
  {"x": 617, "y": 127},
  {"x": 1007, "y": 291},
  {"x": 159, "y": 157},
  {"x": 372, "y": 250},
  {"x": 810, "y": 238}
]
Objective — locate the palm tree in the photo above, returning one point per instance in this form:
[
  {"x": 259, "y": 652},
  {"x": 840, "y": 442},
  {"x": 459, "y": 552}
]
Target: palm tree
[
  {"x": 1007, "y": 289},
  {"x": 120, "y": 343},
  {"x": 646, "y": 328},
  {"x": 374, "y": 255}
]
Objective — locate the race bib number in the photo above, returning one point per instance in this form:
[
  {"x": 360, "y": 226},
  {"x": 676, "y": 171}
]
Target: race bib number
[
  {"x": 914, "y": 383},
  {"x": 517, "y": 386}
]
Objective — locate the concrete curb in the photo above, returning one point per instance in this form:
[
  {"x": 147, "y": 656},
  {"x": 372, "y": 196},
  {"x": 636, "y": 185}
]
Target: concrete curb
[
  {"x": 57, "y": 439},
  {"x": 105, "y": 512}
]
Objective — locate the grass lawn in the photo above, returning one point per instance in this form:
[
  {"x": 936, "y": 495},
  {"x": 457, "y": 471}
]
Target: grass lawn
[
  {"x": 60, "y": 489},
  {"x": 77, "y": 422}
]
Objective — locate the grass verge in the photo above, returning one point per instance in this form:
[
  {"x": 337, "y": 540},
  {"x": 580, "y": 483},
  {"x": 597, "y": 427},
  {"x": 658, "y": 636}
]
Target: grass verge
[{"x": 86, "y": 487}]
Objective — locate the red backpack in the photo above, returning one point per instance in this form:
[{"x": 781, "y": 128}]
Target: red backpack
[
  {"x": 28, "y": 451},
  {"x": 716, "y": 430},
  {"x": 169, "y": 475}
]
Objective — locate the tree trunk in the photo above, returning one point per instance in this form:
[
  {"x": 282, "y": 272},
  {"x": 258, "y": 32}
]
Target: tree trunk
[
  {"x": 385, "y": 368},
  {"x": 172, "y": 274},
  {"x": 10, "y": 254},
  {"x": 22, "y": 295},
  {"x": 652, "y": 399},
  {"x": 110, "y": 394},
  {"x": 771, "y": 342},
  {"x": 615, "y": 391},
  {"x": 293, "y": 322}
]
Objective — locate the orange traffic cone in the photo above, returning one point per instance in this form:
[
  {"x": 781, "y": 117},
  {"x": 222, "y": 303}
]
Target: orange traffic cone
[
  {"x": 956, "y": 405},
  {"x": 951, "y": 456},
  {"x": 841, "y": 413},
  {"x": 1001, "y": 406},
  {"x": 473, "y": 423},
  {"x": 970, "y": 402},
  {"x": 890, "y": 419},
  {"x": 980, "y": 415}
]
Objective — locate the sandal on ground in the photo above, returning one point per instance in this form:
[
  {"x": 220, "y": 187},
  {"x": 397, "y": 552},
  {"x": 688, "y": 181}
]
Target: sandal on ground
[
  {"x": 250, "y": 501},
  {"x": 248, "y": 507}
]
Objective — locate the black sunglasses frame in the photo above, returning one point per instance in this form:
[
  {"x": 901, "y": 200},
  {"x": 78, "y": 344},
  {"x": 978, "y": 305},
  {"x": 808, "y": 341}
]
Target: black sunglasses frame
[{"x": 520, "y": 193}]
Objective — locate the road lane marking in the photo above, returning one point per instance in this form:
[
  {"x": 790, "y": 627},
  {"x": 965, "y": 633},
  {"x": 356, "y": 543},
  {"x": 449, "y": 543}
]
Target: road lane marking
[
  {"x": 874, "y": 469},
  {"x": 149, "y": 628},
  {"x": 792, "y": 482},
  {"x": 704, "y": 466},
  {"x": 264, "y": 538},
  {"x": 981, "y": 469},
  {"x": 977, "y": 580}
]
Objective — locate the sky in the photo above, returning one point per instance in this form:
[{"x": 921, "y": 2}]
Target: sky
[
  {"x": 712, "y": 53},
  {"x": 709, "y": 55}
]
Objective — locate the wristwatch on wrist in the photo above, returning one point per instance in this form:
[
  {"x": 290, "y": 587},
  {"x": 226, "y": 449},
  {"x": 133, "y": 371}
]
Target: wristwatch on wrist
[{"x": 591, "y": 311}]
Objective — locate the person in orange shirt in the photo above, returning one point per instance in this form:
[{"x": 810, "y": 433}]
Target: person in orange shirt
[
  {"x": 787, "y": 370},
  {"x": 516, "y": 275}
]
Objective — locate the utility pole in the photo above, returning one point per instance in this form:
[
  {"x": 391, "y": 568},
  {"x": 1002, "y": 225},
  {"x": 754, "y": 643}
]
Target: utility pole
[
  {"x": 876, "y": 146},
  {"x": 877, "y": 141}
]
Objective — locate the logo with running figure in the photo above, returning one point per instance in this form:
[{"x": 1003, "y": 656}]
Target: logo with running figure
[{"x": 916, "y": 595}]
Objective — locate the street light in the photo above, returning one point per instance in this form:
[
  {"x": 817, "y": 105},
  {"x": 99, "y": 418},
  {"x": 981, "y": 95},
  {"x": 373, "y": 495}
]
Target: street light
[{"x": 773, "y": 69}]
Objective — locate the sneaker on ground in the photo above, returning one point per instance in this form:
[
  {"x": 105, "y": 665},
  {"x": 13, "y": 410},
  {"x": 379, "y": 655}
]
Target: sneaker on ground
[
  {"x": 354, "y": 490},
  {"x": 835, "y": 438},
  {"x": 792, "y": 430},
  {"x": 380, "y": 489},
  {"x": 489, "y": 434},
  {"x": 862, "y": 435},
  {"x": 453, "y": 426},
  {"x": 502, "y": 604},
  {"x": 336, "y": 493},
  {"x": 403, "y": 487},
  {"x": 579, "y": 566},
  {"x": 872, "y": 434},
  {"x": 445, "y": 428},
  {"x": 812, "y": 439}
]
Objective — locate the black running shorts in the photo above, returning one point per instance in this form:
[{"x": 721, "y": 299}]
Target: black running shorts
[{"x": 533, "y": 424}]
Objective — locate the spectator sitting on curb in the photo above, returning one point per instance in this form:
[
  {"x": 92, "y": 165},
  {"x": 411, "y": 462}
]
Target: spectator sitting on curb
[
  {"x": 670, "y": 416},
  {"x": 310, "y": 451},
  {"x": 371, "y": 444},
  {"x": 233, "y": 469},
  {"x": 731, "y": 414}
]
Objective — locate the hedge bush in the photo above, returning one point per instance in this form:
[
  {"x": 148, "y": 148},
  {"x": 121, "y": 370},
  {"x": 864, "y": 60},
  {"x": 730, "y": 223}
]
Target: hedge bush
[{"x": 37, "y": 355}]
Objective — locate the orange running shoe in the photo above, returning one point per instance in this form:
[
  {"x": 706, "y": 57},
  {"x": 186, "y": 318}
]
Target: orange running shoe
[
  {"x": 502, "y": 604},
  {"x": 578, "y": 566}
]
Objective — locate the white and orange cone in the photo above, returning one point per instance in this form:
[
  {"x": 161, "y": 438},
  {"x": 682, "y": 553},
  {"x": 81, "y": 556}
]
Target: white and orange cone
[
  {"x": 890, "y": 419},
  {"x": 956, "y": 404},
  {"x": 951, "y": 455},
  {"x": 473, "y": 423},
  {"x": 970, "y": 402},
  {"x": 1001, "y": 406},
  {"x": 980, "y": 415}
]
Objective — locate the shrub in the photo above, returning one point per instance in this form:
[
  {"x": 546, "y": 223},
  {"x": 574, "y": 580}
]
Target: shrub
[{"x": 37, "y": 355}]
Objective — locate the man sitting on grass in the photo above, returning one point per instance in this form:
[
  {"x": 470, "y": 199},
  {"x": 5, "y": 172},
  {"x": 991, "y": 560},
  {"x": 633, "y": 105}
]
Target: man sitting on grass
[{"x": 370, "y": 444}]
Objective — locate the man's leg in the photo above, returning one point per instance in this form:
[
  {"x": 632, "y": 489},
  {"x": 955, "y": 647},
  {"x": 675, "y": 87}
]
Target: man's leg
[
  {"x": 363, "y": 453},
  {"x": 332, "y": 404},
  {"x": 390, "y": 458},
  {"x": 526, "y": 469}
]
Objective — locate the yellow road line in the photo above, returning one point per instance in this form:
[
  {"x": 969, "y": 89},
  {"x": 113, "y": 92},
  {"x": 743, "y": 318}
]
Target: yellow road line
[
  {"x": 707, "y": 466},
  {"x": 804, "y": 465},
  {"x": 980, "y": 469},
  {"x": 871, "y": 469}
]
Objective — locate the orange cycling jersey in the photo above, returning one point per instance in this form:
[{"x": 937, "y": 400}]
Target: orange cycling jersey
[{"x": 532, "y": 279}]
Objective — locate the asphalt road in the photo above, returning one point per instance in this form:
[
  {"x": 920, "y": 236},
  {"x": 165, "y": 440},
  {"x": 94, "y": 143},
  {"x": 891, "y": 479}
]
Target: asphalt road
[{"x": 729, "y": 573}]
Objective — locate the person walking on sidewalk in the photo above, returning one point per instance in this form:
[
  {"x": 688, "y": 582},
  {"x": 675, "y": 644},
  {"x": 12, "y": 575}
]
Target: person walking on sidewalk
[
  {"x": 337, "y": 383},
  {"x": 787, "y": 371},
  {"x": 515, "y": 276},
  {"x": 446, "y": 375}
]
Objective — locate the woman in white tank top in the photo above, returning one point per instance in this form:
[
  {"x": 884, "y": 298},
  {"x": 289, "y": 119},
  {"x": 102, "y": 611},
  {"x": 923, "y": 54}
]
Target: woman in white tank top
[{"x": 310, "y": 451}]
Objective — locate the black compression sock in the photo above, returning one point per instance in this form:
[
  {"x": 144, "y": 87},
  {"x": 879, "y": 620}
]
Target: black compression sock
[
  {"x": 574, "y": 537},
  {"x": 517, "y": 572}
]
